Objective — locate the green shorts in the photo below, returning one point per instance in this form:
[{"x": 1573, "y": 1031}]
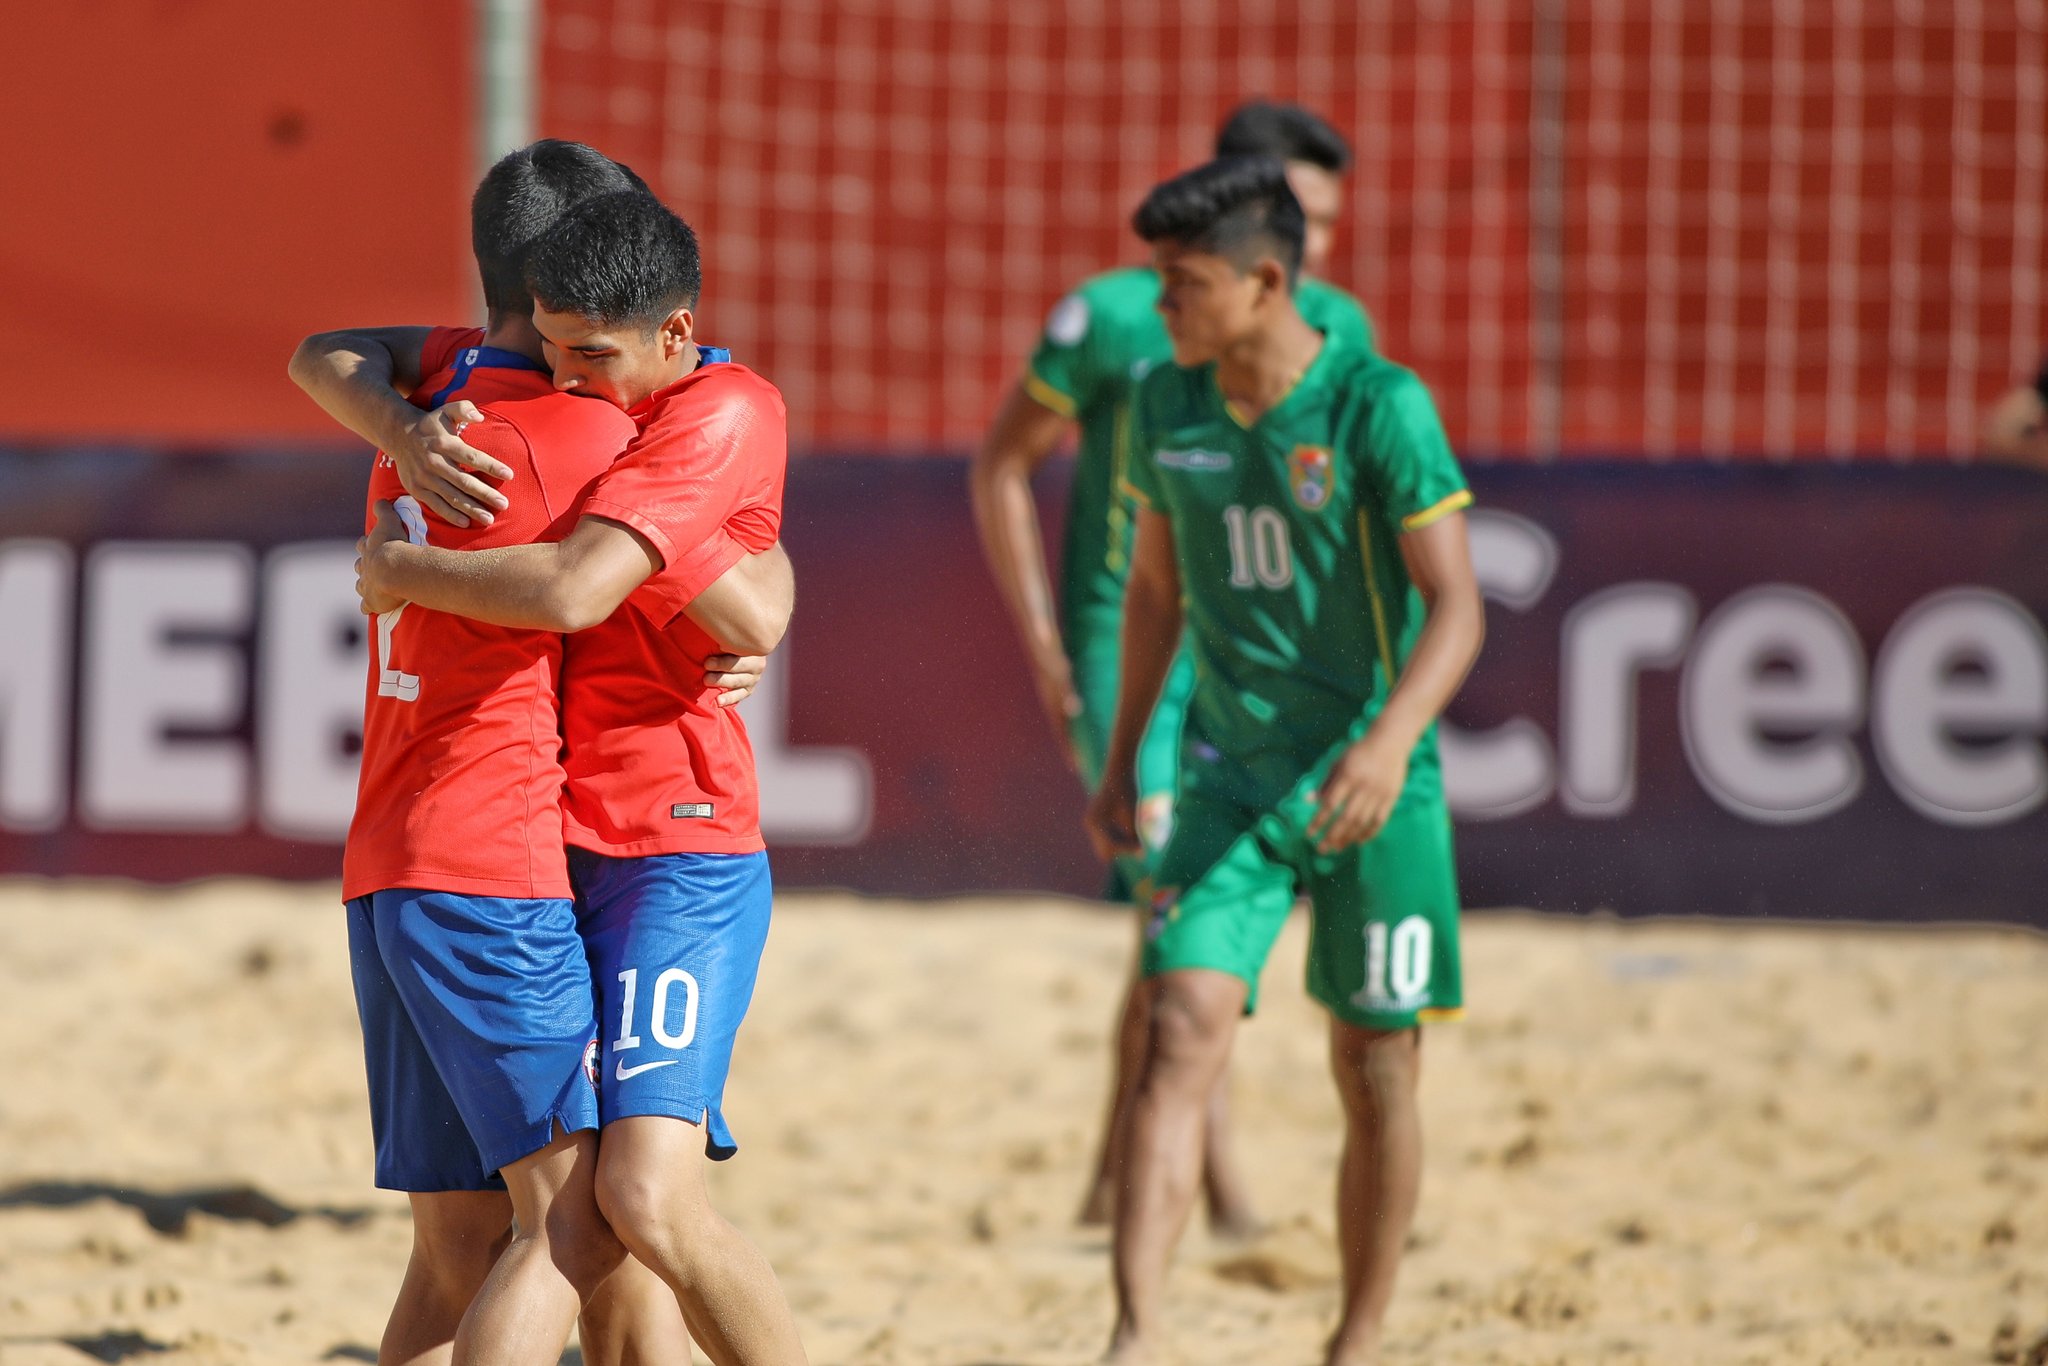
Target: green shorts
[
  {"x": 1383, "y": 926},
  {"x": 1094, "y": 656}
]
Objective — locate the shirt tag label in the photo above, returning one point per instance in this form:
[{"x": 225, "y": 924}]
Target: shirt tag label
[{"x": 684, "y": 811}]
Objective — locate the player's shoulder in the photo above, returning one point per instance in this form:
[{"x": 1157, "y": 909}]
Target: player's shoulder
[
  {"x": 552, "y": 416},
  {"x": 1112, "y": 303},
  {"x": 1370, "y": 377},
  {"x": 728, "y": 382},
  {"x": 719, "y": 400}
]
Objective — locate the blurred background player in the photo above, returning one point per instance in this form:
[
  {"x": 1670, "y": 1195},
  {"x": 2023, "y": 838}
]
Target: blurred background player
[
  {"x": 663, "y": 810},
  {"x": 1301, "y": 518},
  {"x": 1098, "y": 342}
]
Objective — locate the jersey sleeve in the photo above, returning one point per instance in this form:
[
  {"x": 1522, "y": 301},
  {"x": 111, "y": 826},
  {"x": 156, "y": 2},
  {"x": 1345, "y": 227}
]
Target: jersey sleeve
[
  {"x": 1066, "y": 368},
  {"x": 694, "y": 484},
  {"x": 1407, "y": 460}
]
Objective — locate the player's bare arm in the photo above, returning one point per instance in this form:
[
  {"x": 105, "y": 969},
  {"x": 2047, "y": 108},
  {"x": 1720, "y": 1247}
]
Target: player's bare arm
[
  {"x": 751, "y": 602},
  {"x": 1024, "y": 434},
  {"x": 360, "y": 377},
  {"x": 1367, "y": 780},
  {"x": 567, "y": 586},
  {"x": 1152, "y": 625}
]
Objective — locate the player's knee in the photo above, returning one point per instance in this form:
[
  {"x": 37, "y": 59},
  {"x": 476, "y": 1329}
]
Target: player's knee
[
  {"x": 1375, "y": 1065},
  {"x": 1190, "y": 1029},
  {"x": 656, "y": 1214},
  {"x": 585, "y": 1249}
]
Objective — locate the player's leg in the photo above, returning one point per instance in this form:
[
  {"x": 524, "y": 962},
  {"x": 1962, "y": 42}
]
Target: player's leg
[
  {"x": 1226, "y": 1193},
  {"x": 499, "y": 993},
  {"x": 1383, "y": 957},
  {"x": 461, "y": 1215},
  {"x": 675, "y": 942},
  {"x": 457, "y": 1236},
  {"x": 633, "y": 1319},
  {"x": 1206, "y": 940},
  {"x": 561, "y": 1252},
  {"x": 652, "y": 1190},
  {"x": 1093, "y": 659},
  {"x": 1379, "y": 1177},
  {"x": 1194, "y": 1015}
]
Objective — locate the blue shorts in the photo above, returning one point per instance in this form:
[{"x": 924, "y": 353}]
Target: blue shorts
[
  {"x": 674, "y": 942},
  {"x": 478, "y": 1032}
]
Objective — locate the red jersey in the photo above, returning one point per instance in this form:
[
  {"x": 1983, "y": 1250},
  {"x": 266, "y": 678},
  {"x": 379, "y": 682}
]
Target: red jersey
[
  {"x": 461, "y": 778},
  {"x": 655, "y": 765}
]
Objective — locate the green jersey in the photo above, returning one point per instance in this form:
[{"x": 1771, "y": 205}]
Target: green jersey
[
  {"x": 1300, "y": 611},
  {"x": 1098, "y": 343}
]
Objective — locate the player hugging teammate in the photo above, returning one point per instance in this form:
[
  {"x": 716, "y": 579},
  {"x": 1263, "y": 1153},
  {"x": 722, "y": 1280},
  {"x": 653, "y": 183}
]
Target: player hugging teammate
[
  {"x": 545, "y": 718},
  {"x": 1300, "y": 523}
]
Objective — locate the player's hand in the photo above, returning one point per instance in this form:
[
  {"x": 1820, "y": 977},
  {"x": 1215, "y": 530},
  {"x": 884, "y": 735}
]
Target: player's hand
[
  {"x": 434, "y": 464},
  {"x": 387, "y": 527},
  {"x": 1358, "y": 795},
  {"x": 1053, "y": 676},
  {"x": 1113, "y": 817},
  {"x": 735, "y": 676}
]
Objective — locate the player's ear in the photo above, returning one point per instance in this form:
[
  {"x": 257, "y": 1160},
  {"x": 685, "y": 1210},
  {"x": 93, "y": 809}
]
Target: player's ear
[
  {"x": 1272, "y": 278},
  {"x": 676, "y": 330}
]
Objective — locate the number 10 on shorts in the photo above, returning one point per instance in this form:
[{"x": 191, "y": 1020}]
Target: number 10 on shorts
[
  {"x": 1397, "y": 962},
  {"x": 660, "y": 1012}
]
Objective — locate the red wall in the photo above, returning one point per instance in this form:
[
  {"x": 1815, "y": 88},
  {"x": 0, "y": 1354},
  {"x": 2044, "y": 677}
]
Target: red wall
[{"x": 190, "y": 187}]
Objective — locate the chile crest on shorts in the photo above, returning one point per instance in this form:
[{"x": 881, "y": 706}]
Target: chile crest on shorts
[{"x": 1308, "y": 471}]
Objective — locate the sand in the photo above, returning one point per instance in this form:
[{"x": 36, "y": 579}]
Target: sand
[{"x": 1659, "y": 1143}]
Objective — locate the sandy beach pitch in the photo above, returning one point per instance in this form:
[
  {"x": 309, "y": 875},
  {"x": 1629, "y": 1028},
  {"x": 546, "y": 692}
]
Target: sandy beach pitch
[{"x": 1662, "y": 1144}]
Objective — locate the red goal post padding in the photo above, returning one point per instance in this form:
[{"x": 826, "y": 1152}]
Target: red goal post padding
[{"x": 1747, "y": 227}]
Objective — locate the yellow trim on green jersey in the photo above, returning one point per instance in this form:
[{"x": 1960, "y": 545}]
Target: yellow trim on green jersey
[
  {"x": 1439, "y": 1014},
  {"x": 1437, "y": 511},
  {"x": 1372, "y": 590},
  {"x": 1137, "y": 494},
  {"x": 1059, "y": 402}
]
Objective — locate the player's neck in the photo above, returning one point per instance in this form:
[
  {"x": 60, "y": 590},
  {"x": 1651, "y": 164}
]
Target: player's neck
[
  {"x": 513, "y": 332},
  {"x": 1261, "y": 369},
  {"x": 686, "y": 361}
]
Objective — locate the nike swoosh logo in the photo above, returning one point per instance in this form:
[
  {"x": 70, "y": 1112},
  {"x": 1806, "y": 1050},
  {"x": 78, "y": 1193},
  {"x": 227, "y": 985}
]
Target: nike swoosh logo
[{"x": 621, "y": 1072}]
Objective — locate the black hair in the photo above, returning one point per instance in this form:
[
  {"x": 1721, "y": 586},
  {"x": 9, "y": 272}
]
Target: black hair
[
  {"x": 1240, "y": 208},
  {"x": 615, "y": 259},
  {"x": 1288, "y": 131},
  {"x": 521, "y": 197}
]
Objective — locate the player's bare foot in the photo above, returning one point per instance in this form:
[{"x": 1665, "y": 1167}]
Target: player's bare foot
[
  {"x": 1359, "y": 1347},
  {"x": 1128, "y": 1349}
]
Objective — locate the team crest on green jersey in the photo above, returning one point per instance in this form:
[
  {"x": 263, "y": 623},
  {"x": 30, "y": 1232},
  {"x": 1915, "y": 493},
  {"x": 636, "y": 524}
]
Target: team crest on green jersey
[{"x": 1308, "y": 470}]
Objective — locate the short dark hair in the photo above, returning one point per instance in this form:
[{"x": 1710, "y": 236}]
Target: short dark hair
[
  {"x": 521, "y": 197},
  {"x": 616, "y": 259},
  {"x": 1263, "y": 128},
  {"x": 1240, "y": 208}
]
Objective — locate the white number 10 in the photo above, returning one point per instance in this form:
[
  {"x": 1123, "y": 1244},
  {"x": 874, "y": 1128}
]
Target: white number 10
[{"x": 1260, "y": 552}]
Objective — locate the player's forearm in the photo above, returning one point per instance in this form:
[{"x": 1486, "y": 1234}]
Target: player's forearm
[
  {"x": 1006, "y": 515},
  {"x": 352, "y": 378},
  {"x": 526, "y": 586},
  {"x": 747, "y": 608},
  {"x": 1445, "y": 651},
  {"x": 1151, "y": 635}
]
